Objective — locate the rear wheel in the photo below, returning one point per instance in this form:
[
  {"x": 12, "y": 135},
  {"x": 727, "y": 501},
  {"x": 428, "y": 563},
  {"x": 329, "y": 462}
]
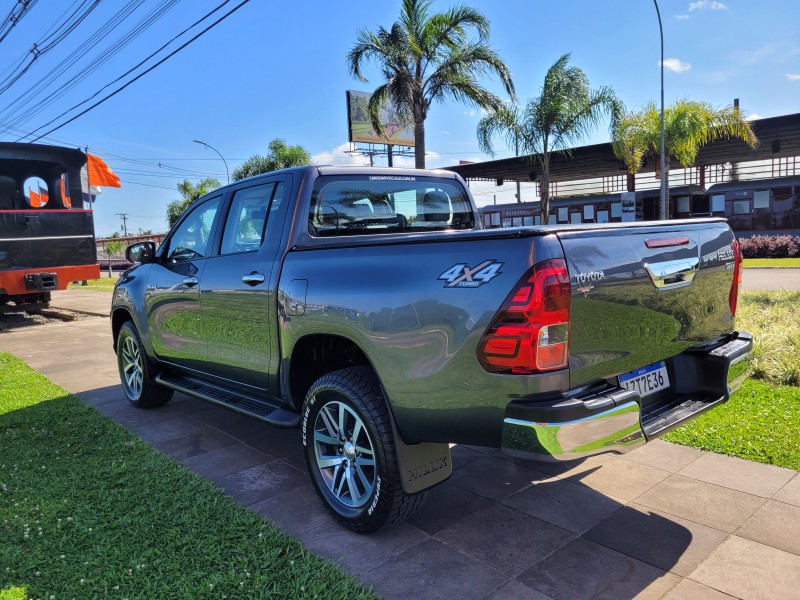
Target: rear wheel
[
  {"x": 136, "y": 372},
  {"x": 350, "y": 453}
]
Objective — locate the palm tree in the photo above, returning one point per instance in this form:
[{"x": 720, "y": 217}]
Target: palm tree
[
  {"x": 688, "y": 126},
  {"x": 189, "y": 194},
  {"x": 565, "y": 111},
  {"x": 426, "y": 58},
  {"x": 279, "y": 156}
]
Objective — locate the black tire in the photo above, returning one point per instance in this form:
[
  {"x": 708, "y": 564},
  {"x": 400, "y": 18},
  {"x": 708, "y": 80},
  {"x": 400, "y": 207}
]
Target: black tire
[
  {"x": 136, "y": 372},
  {"x": 378, "y": 501}
]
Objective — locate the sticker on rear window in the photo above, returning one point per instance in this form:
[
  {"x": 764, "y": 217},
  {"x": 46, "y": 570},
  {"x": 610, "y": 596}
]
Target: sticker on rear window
[{"x": 464, "y": 276}]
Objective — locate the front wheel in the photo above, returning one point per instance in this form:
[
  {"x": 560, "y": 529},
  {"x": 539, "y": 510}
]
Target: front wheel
[
  {"x": 136, "y": 371},
  {"x": 350, "y": 453}
]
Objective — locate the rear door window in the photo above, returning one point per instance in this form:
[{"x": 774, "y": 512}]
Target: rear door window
[
  {"x": 247, "y": 220},
  {"x": 374, "y": 205}
]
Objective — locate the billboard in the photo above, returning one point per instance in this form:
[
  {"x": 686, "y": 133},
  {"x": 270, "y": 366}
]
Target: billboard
[{"x": 360, "y": 129}]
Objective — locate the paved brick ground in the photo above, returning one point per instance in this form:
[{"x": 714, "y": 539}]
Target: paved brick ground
[{"x": 663, "y": 521}]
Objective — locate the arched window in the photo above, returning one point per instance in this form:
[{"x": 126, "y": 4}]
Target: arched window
[{"x": 36, "y": 192}]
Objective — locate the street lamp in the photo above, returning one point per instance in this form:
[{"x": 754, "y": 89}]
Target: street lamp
[
  {"x": 223, "y": 159},
  {"x": 664, "y": 214}
]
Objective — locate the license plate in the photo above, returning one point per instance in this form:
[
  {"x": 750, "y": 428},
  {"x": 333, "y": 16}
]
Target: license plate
[{"x": 647, "y": 380}]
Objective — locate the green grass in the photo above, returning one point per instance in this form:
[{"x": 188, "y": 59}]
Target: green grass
[
  {"x": 770, "y": 262},
  {"x": 760, "y": 422},
  {"x": 104, "y": 284},
  {"x": 774, "y": 320},
  {"x": 87, "y": 510}
]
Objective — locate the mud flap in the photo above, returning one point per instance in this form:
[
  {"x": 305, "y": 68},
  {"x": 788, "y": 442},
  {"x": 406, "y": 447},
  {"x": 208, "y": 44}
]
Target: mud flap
[{"x": 421, "y": 465}]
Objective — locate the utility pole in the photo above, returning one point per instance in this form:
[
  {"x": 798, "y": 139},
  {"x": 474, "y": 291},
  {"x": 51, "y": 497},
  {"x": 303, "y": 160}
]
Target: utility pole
[{"x": 124, "y": 217}]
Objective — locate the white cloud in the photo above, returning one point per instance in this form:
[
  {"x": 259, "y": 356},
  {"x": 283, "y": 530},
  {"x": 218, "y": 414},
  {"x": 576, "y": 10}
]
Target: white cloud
[
  {"x": 707, "y": 5},
  {"x": 469, "y": 113},
  {"x": 681, "y": 17},
  {"x": 675, "y": 65},
  {"x": 793, "y": 76},
  {"x": 339, "y": 156},
  {"x": 753, "y": 117},
  {"x": 443, "y": 132}
]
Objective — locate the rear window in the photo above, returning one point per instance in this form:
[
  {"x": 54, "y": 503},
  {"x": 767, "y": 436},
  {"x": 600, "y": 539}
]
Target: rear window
[{"x": 379, "y": 204}]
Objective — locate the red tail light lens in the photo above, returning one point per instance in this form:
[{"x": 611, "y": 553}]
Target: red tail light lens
[
  {"x": 530, "y": 332},
  {"x": 737, "y": 276}
]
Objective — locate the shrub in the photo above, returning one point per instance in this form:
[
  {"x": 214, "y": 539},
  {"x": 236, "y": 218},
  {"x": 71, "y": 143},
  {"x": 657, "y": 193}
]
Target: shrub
[{"x": 769, "y": 246}]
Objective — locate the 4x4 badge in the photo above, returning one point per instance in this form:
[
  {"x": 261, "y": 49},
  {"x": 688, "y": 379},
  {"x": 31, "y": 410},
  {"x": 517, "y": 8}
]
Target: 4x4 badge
[{"x": 462, "y": 275}]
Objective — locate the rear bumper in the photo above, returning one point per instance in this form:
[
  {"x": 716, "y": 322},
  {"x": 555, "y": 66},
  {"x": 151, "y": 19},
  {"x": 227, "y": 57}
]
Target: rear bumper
[{"x": 613, "y": 419}]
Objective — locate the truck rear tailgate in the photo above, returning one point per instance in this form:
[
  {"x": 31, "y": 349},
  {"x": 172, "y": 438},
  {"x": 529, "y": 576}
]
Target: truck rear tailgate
[{"x": 645, "y": 292}]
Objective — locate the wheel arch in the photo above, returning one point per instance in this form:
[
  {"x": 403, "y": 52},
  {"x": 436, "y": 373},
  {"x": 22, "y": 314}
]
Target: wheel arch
[
  {"x": 118, "y": 318},
  {"x": 315, "y": 355}
]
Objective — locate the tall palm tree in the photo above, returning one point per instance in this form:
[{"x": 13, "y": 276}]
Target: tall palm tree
[
  {"x": 426, "y": 58},
  {"x": 688, "y": 126},
  {"x": 190, "y": 192},
  {"x": 565, "y": 111}
]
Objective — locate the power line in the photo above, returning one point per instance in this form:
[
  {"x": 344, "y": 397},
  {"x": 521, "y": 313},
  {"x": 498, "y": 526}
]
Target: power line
[
  {"x": 49, "y": 42},
  {"x": 14, "y": 16},
  {"x": 160, "y": 62}
]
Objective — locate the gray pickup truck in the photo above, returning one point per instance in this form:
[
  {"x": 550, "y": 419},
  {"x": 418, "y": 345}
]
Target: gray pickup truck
[{"x": 369, "y": 309}]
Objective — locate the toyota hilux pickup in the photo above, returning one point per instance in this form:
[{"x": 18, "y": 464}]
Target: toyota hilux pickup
[{"x": 369, "y": 309}]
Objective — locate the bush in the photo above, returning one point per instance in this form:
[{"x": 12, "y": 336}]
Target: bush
[{"x": 771, "y": 246}]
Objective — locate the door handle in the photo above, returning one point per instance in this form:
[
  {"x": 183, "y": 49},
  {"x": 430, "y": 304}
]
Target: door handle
[
  {"x": 190, "y": 281},
  {"x": 674, "y": 273},
  {"x": 253, "y": 278}
]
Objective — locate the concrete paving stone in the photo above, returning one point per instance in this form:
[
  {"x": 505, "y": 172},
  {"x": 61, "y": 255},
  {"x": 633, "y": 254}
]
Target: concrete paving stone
[
  {"x": 775, "y": 524},
  {"x": 431, "y": 570},
  {"x": 462, "y": 455},
  {"x": 514, "y": 590},
  {"x": 705, "y": 503},
  {"x": 175, "y": 426},
  {"x": 296, "y": 459},
  {"x": 691, "y": 590},
  {"x": 505, "y": 538},
  {"x": 446, "y": 505},
  {"x": 749, "y": 570},
  {"x": 569, "y": 505},
  {"x": 278, "y": 441},
  {"x": 194, "y": 444},
  {"x": 664, "y": 455},
  {"x": 620, "y": 478},
  {"x": 583, "y": 569},
  {"x": 790, "y": 493},
  {"x": 661, "y": 540},
  {"x": 566, "y": 468},
  {"x": 493, "y": 478},
  {"x": 261, "y": 482},
  {"x": 482, "y": 449},
  {"x": 737, "y": 474},
  {"x": 110, "y": 394},
  {"x": 297, "y": 511},
  {"x": 357, "y": 553},
  {"x": 132, "y": 417},
  {"x": 217, "y": 464}
]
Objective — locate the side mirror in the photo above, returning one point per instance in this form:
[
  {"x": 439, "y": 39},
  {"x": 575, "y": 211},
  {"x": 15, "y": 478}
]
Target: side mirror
[{"x": 143, "y": 252}]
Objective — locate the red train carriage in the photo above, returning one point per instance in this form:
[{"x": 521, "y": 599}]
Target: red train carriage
[{"x": 46, "y": 235}]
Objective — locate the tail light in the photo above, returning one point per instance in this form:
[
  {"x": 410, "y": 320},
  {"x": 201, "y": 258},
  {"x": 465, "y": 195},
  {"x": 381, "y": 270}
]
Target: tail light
[
  {"x": 530, "y": 332},
  {"x": 737, "y": 276}
]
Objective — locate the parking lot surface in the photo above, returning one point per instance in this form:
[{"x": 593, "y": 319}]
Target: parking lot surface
[{"x": 663, "y": 521}]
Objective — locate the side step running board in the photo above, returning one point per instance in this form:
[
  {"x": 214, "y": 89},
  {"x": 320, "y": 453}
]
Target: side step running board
[{"x": 254, "y": 407}]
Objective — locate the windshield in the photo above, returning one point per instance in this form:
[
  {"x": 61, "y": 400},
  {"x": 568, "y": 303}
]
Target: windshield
[{"x": 379, "y": 204}]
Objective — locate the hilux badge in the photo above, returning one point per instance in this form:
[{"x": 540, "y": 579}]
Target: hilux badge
[{"x": 464, "y": 276}]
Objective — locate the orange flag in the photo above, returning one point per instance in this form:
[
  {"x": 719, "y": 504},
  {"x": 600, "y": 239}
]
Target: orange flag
[
  {"x": 36, "y": 202},
  {"x": 100, "y": 173},
  {"x": 64, "y": 197}
]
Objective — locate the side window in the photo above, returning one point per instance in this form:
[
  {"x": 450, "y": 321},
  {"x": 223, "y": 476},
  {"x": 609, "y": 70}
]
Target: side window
[
  {"x": 191, "y": 239},
  {"x": 247, "y": 218}
]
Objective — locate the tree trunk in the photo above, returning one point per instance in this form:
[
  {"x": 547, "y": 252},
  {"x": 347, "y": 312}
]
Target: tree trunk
[
  {"x": 545, "y": 199},
  {"x": 419, "y": 143}
]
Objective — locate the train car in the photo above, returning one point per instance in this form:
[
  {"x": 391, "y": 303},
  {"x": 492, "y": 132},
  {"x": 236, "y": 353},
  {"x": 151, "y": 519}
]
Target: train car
[
  {"x": 46, "y": 235},
  {"x": 764, "y": 206}
]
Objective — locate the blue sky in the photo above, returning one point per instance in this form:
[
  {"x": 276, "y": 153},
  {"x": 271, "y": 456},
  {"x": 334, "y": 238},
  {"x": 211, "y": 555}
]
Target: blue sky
[{"x": 278, "y": 70}]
